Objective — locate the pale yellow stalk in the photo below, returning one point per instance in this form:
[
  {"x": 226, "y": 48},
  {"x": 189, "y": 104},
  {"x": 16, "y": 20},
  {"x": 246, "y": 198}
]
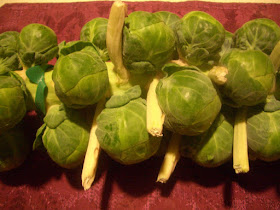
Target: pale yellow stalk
[
  {"x": 171, "y": 158},
  {"x": 93, "y": 150},
  {"x": 240, "y": 146},
  {"x": 114, "y": 38},
  {"x": 155, "y": 117}
]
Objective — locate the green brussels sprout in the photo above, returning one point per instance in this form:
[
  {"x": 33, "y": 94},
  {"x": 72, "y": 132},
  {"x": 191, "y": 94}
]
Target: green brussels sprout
[
  {"x": 263, "y": 130},
  {"x": 172, "y": 20},
  {"x": 121, "y": 128},
  {"x": 214, "y": 147},
  {"x": 148, "y": 43},
  {"x": 14, "y": 148},
  {"x": 200, "y": 37},
  {"x": 95, "y": 31},
  {"x": 80, "y": 79},
  {"x": 74, "y": 46},
  {"x": 8, "y": 51},
  {"x": 65, "y": 135},
  {"x": 258, "y": 34},
  {"x": 12, "y": 100},
  {"x": 227, "y": 45},
  {"x": 189, "y": 101},
  {"x": 250, "y": 77},
  {"x": 37, "y": 45}
]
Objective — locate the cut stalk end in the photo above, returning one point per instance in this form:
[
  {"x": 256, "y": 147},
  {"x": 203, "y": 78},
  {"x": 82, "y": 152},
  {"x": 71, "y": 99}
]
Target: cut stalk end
[
  {"x": 171, "y": 158},
  {"x": 218, "y": 75},
  {"x": 93, "y": 150}
]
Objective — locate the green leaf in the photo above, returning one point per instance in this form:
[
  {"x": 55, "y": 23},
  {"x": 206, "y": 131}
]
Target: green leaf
[
  {"x": 38, "y": 143},
  {"x": 123, "y": 98}
]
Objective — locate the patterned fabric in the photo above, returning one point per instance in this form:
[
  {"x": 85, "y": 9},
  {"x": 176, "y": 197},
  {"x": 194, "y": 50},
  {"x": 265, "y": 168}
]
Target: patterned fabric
[{"x": 40, "y": 184}]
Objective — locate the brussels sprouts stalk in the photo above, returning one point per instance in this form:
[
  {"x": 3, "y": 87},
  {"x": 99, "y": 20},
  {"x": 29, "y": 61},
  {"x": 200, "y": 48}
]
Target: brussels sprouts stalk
[
  {"x": 114, "y": 38},
  {"x": 155, "y": 117},
  {"x": 93, "y": 150},
  {"x": 171, "y": 158},
  {"x": 275, "y": 57},
  {"x": 218, "y": 75},
  {"x": 240, "y": 147}
]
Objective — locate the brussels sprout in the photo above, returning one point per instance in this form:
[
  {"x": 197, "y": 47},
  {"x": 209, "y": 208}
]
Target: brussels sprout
[
  {"x": 121, "y": 128},
  {"x": 64, "y": 135},
  {"x": 263, "y": 130},
  {"x": 200, "y": 37},
  {"x": 95, "y": 31},
  {"x": 74, "y": 46},
  {"x": 214, "y": 147},
  {"x": 172, "y": 20},
  {"x": 8, "y": 43},
  {"x": 37, "y": 45},
  {"x": 250, "y": 77},
  {"x": 147, "y": 42},
  {"x": 189, "y": 100},
  {"x": 80, "y": 79},
  {"x": 258, "y": 34},
  {"x": 14, "y": 148},
  {"x": 227, "y": 45},
  {"x": 8, "y": 51},
  {"x": 12, "y": 100}
]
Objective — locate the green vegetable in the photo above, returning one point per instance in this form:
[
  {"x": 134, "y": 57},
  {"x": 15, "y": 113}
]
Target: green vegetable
[
  {"x": 14, "y": 148},
  {"x": 189, "y": 101},
  {"x": 94, "y": 31},
  {"x": 250, "y": 77},
  {"x": 121, "y": 128},
  {"x": 172, "y": 20},
  {"x": 65, "y": 135},
  {"x": 214, "y": 147},
  {"x": 263, "y": 130},
  {"x": 37, "y": 45},
  {"x": 9, "y": 60},
  {"x": 12, "y": 100},
  {"x": 258, "y": 34},
  {"x": 147, "y": 42},
  {"x": 80, "y": 79},
  {"x": 201, "y": 37}
]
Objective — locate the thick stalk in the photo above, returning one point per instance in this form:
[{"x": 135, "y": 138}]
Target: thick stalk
[
  {"x": 171, "y": 158},
  {"x": 93, "y": 150},
  {"x": 240, "y": 147},
  {"x": 155, "y": 117},
  {"x": 218, "y": 75},
  {"x": 275, "y": 57},
  {"x": 114, "y": 38}
]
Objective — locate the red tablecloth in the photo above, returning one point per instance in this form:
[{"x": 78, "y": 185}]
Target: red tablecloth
[{"x": 40, "y": 184}]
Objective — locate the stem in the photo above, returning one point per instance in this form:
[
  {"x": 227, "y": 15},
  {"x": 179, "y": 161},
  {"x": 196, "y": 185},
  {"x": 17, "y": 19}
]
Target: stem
[
  {"x": 93, "y": 150},
  {"x": 218, "y": 75},
  {"x": 240, "y": 148},
  {"x": 114, "y": 38},
  {"x": 155, "y": 117},
  {"x": 171, "y": 158},
  {"x": 275, "y": 56}
]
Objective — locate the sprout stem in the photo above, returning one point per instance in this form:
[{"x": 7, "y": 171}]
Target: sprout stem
[
  {"x": 93, "y": 150},
  {"x": 114, "y": 38},
  {"x": 155, "y": 117},
  {"x": 240, "y": 148},
  {"x": 218, "y": 75},
  {"x": 275, "y": 57},
  {"x": 171, "y": 158}
]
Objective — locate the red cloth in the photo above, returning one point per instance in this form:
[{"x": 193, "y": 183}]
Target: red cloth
[{"x": 40, "y": 184}]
